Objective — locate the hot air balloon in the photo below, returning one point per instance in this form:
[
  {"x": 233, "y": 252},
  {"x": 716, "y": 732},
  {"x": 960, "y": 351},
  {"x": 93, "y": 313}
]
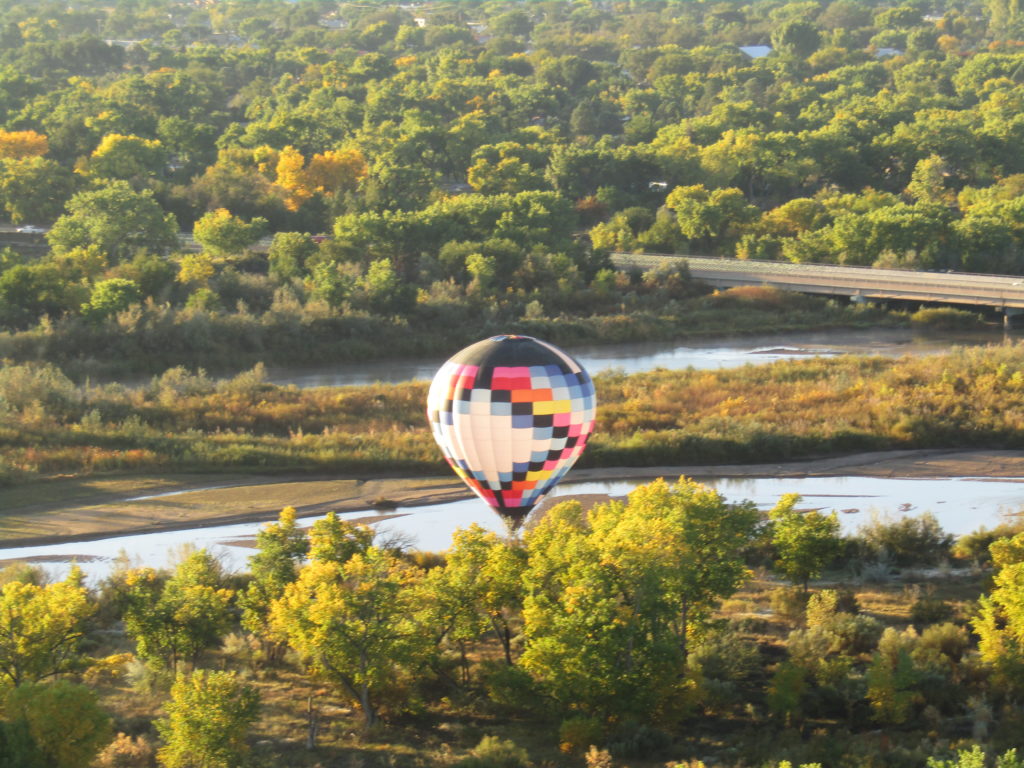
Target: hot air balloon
[{"x": 511, "y": 414}]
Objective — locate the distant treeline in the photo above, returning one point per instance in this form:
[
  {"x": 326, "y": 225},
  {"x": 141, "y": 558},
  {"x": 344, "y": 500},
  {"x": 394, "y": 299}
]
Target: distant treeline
[{"x": 476, "y": 161}]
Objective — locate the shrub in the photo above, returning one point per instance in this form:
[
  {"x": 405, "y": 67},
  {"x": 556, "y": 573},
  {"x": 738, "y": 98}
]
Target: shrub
[
  {"x": 127, "y": 752},
  {"x": 907, "y": 541},
  {"x": 946, "y": 318},
  {"x": 578, "y": 733},
  {"x": 789, "y": 603},
  {"x": 492, "y": 752},
  {"x": 929, "y": 609},
  {"x": 638, "y": 741},
  {"x": 974, "y": 546}
]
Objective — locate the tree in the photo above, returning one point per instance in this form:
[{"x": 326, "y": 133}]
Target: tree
[
  {"x": 614, "y": 596},
  {"x": 999, "y": 623},
  {"x": 40, "y": 628},
  {"x": 478, "y": 589},
  {"x": 19, "y": 145},
  {"x": 34, "y": 189},
  {"x": 804, "y": 542},
  {"x": 64, "y": 721},
  {"x": 281, "y": 548},
  {"x": 117, "y": 219},
  {"x": 208, "y": 718},
  {"x": 222, "y": 234},
  {"x": 796, "y": 38},
  {"x": 326, "y": 174},
  {"x": 355, "y": 623},
  {"x": 27, "y": 292},
  {"x": 131, "y": 158},
  {"x": 110, "y": 297},
  {"x": 175, "y": 621},
  {"x": 711, "y": 217},
  {"x": 288, "y": 253}
]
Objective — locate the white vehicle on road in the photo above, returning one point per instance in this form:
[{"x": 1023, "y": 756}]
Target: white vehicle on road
[{"x": 31, "y": 229}]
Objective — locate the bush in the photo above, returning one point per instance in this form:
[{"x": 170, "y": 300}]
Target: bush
[
  {"x": 974, "y": 546},
  {"x": 640, "y": 741},
  {"x": 907, "y": 541},
  {"x": 509, "y": 686},
  {"x": 789, "y": 603},
  {"x": 578, "y": 733},
  {"x": 946, "y": 318},
  {"x": 929, "y": 609},
  {"x": 492, "y": 752},
  {"x": 126, "y": 752}
]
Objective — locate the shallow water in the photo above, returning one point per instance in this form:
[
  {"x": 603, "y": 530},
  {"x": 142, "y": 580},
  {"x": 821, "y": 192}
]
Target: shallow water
[
  {"x": 961, "y": 505},
  {"x": 639, "y": 357}
]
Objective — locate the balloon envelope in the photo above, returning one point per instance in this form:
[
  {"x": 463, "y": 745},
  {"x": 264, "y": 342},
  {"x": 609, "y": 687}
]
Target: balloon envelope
[{"x": 511, "y": 414}]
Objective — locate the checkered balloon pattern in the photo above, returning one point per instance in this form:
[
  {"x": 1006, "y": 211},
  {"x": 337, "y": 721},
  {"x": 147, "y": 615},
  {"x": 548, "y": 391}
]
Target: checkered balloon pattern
[{"x": 511, "y": 414}]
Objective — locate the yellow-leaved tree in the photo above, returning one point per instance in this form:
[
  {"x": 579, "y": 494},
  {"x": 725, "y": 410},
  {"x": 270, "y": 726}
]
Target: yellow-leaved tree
[
  {"x": 16, "y": 145},
  {"x": 326, "y": 173}
]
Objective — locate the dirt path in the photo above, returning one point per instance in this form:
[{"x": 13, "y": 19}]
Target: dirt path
[{"x": 77, "y": 509}]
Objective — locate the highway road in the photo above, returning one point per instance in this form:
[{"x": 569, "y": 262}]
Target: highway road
[{"x": 1005, "y": 292}]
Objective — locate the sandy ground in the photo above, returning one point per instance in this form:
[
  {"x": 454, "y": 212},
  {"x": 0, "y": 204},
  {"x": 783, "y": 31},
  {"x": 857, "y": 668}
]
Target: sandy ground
[{"x": 78, "y": 509}]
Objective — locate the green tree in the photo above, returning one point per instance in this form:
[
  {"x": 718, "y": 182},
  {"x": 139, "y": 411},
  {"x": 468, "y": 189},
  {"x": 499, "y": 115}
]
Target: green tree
[
  {"x": 355, "y": 623},
  {"x": 176, "y": 620},
  {"x": 117, "y": 219},
  {"x": 281, "y": 548},
  {"x": 711, "y": 218},
  {"x": 796, "y": 38},
  {"x": 804, "y": 541},
  {"x": 27, "y": 292},
  {"x": 614, "y": 596},
  {"x": 40, "y": 628},
  {"x": 479, "y": 589},
  {"x": 130, "y": 158},
  {"x": 34, "y": 189},
  {"x": 288, "y": 253},
  {"x": 64, "y": 721},
  {"x": 110, "y": 297},
  {"x": 222, "y": 234},
  {"x": 208, "y": 719}
]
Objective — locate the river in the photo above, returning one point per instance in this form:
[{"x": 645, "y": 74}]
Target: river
[
  {"x": 961, "y": 505},
  {"x": 638, "y": 357}
]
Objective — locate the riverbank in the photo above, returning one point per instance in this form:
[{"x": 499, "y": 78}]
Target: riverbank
[{"x": 66, "y": 510}]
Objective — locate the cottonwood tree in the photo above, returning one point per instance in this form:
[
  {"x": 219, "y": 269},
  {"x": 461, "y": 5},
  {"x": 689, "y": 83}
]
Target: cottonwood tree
[
  {"x": 281, "y": 548},
  {"x": 479, "y": 589},
  {"x": 117, "y": 219},
  {"x": 354, "y": 622},
  {"x": 999, "y": 623},
  {"x": 63, "y": 721},
  {"x": 208, "y": 718},
  {"x": 804, "y": 541},
  {"x": 176, "y": 620},
  {"x": 614, "y": 595},
  {"x": 40, "y": 628}
]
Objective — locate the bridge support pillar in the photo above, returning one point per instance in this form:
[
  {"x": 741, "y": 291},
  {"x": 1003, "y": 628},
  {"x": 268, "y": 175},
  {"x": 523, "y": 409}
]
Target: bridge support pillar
[{"x": 1013, "y": 318}]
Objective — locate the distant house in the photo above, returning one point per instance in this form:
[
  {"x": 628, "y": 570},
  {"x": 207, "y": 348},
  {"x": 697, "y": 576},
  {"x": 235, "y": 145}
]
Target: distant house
[
  {"x": 755, "y": 51},
  {"x": 420, "y": 21},
  {"x": 886, "y": 53}
]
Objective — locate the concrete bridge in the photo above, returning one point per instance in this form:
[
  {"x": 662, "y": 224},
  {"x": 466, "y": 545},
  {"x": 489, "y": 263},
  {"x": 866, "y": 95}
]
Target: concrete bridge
[{"x": 1002, "y": 292}]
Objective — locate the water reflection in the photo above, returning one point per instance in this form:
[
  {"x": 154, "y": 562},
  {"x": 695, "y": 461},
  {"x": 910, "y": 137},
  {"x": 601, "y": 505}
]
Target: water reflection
[{"x": 960, "y": 504}]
